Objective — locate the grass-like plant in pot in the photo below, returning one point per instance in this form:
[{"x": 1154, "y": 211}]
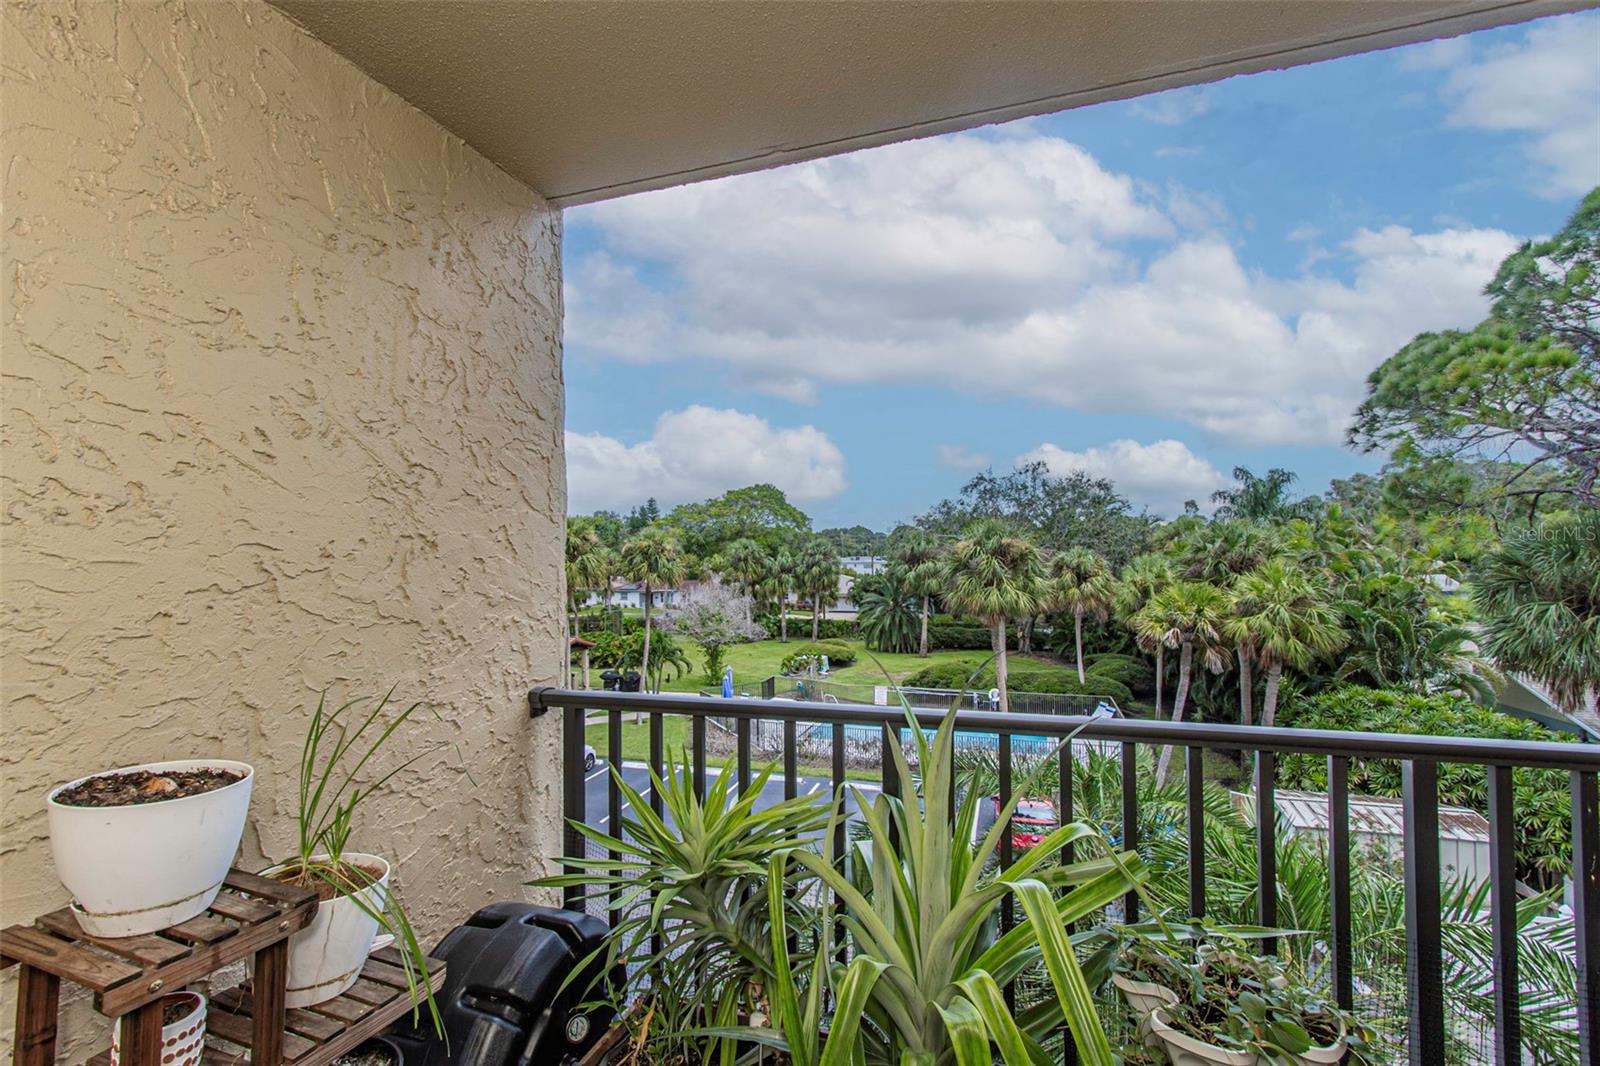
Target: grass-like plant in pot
[
  {"x": 336, "y": 778},
  {"x": 695, "y": 932}
]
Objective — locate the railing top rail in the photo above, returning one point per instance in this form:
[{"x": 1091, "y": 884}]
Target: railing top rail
[{"x": 1537, "y": 754}]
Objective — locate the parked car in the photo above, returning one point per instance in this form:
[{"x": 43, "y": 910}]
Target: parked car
[
  {"x": 1033, "y": 820},
  {"x": 588, "y": 757}
]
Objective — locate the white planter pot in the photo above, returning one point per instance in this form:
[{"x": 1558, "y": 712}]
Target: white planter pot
[
  {"x": 1143, "y": 999},
  {"x": 325, "y": 958},
  {"x": 1184, "y": 1050},
  {"x": 1318, "y": 1056},
  {"x": 182, "y": 1042},
  {"x": 145, "y": 866}
]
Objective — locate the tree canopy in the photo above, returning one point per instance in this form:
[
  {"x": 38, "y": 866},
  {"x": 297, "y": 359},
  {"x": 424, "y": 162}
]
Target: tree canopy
[
  {"x": 1058, "y": 511},
  {"x": 1522, "y": 388},
  {"x": 761, "y": 513}
]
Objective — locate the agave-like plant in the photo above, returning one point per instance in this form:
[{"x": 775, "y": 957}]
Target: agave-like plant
[
  {"x": 927, "y": 921},
  {"x": 694, "y": 932}
]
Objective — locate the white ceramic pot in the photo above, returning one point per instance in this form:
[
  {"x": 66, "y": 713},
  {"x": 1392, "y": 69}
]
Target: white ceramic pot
[
  {"x": 1183, "y": 1050},
  {"x": 145, "y": 866},
  {"x": 182, "y": 1043},
  {"x": 1332, "y": 1053},
  {"x": 325, "y": 958},
  {"x": 1143, "y": 999}
]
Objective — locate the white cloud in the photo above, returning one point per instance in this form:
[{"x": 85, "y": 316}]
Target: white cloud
[
  {"x": 1548, "y": 86},
  {"x": 1436, "y": 55},
  {"x": 697, "y": 453},
  {"x": 1160, "y": 475},
  {"x": 960, "y": 457},
  {"x": 1175, "y": 106},
  {"x": 1012, "y": 268}
]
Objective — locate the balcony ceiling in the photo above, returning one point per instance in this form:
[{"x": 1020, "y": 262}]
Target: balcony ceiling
[{"x": 585, "y": 101}]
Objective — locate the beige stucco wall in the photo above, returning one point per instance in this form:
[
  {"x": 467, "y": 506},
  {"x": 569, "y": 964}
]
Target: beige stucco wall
[{"x": 282, "y": 409}]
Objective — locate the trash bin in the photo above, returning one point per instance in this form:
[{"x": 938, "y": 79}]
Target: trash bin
[
  {"x": 503, "y": 1002},
  {"x": 631, "y": 682},
  {"x": 610, "y": 679}
]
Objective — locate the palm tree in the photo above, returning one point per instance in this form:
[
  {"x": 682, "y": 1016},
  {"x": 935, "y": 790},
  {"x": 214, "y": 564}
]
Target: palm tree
[
  {"x": 1219, "y": 553},
  {"x": 1188, "y": 616},
  {"x": 1539, "y": 598},
  {"x": 653, "y": 558},
  {"x": 744, "y": 564},
  {"x": 588, "y": 565},
  {"x": 919, "y": 555},
  {"x": 817, "y": 577},
  {"x": 994, "y": 573},
  {"x": 1263, "y": 498},
  {"x": 777, "y": 585},
  {"x": 1285, "y": 616},
  {"x": 1081, "y": 582},
  {"x": 887, "y": 610},
  {"x": 1399, "y": 640},
  {"x": 1142, "y": 579}
]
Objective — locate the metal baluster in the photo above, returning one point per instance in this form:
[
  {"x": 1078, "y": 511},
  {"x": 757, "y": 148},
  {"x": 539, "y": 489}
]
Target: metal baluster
[
  {"x": 657, "y": 757},
  {"x": 572, "y": 800},
  {"x": 1197, "y": 831},
  {"x": 1503, "y": 914},
  {"x": 791, "y": 744},
  {"x": 614, "y": 799},
  {"x": 1267, "y": 845},
  {"x": 1065, "y": 763},
  {"x": 1344, "y": 981},
  {"x": 1586, "y": 910},
  {"x": 1424, "y": 965},
  {"x": 741, "y": 732},
  {"x": 1130, "y": 819},
  {"x": 697, "y": 742},
  {"x": 1008, "y": 913}
]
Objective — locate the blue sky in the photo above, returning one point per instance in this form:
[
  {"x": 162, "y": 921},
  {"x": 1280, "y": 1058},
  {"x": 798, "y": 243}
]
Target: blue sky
[{"x": 1154, "y": 290}]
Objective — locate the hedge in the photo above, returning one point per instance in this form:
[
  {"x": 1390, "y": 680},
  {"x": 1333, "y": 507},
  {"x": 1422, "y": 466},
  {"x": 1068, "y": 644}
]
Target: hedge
[
  {"x": 800, "y": 628},
  {"x": 1541, "y": 798},
  {"x": 1130, "y": 670},
  {"x": 1022, "y": 675}
]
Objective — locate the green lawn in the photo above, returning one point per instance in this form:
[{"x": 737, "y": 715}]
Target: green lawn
[{"x": 754, "y": 663}]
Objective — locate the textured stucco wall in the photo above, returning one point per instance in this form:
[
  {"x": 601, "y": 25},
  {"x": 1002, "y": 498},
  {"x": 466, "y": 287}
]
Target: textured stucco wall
[{"x": 282, "y": 409}]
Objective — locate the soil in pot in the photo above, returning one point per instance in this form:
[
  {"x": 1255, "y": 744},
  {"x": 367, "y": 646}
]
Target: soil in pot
[
  {"x": 175, "y": 1009},
  {"x": 145, "y": 786},
  {"x": 327, "y": 883},
  {"x": 372, "y": 1053}
]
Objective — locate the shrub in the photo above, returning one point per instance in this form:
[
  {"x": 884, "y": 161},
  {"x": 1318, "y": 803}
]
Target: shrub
[
  {"x": 1541, "y": 798},
  {"x": 963, "y": 634},
  {"x": 1137, "y": 674},
  {"x": 838, "y": 653},
  {"x": 800, "y": 628},
  {"x": 1023, "y": 675}
]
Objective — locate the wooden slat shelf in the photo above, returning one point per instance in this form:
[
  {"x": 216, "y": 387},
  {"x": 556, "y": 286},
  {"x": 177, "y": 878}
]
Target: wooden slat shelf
[
  {"x": 125, "y": 973},
  {"x": 251, "y": 916},
  {"x": 313, "y": 1036}
]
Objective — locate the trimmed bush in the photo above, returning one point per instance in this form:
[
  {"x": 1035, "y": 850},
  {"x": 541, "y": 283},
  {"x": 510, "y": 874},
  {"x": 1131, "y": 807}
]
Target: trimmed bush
[
  {"x": 1023, "y": 675},
  {"x": 1138, "y": 675},
  {"x": 800, "y": 628},
  {"x": 838, "y": 653}
]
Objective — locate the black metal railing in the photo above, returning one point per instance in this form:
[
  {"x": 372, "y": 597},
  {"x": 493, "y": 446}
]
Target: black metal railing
[{"x": 1419, "y": 758}]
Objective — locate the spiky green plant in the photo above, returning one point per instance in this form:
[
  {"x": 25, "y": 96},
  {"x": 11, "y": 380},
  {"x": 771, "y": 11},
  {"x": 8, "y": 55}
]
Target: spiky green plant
[
  {"x": 689, "y": 885},
  {"x": 928, "y": 918},
  {"x": 338, "y": 747}
]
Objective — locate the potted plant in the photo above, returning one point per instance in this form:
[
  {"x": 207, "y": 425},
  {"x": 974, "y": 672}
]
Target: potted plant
[
  {"x": 326, "y": 957},
  {"x": 183, "y": 1030},
  {"x": 1237, "y": 1008},
  {"x": 144, "y": 847}
]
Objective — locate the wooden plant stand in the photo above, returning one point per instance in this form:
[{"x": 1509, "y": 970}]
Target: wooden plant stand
[{"x": 128, "y": 976}]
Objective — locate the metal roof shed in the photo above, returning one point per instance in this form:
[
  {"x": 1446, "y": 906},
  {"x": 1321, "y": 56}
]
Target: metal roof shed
[{"x": 1377, "y": 824}]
